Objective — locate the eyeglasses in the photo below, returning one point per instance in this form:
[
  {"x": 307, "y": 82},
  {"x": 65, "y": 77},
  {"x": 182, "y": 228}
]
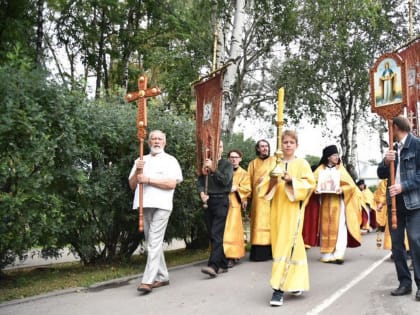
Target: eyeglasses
[{"x": 234, "y": 157}]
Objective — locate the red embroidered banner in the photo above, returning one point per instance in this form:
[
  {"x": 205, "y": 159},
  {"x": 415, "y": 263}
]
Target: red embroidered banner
[{"x": 209, "y": 95}]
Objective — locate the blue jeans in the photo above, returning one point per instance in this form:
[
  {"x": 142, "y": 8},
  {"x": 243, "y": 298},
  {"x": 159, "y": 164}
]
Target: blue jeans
[{"x": 406, "y": 220}]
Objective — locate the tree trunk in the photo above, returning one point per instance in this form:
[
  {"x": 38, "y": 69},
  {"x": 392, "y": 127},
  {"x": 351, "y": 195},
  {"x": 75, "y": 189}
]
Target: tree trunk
[
  {"x": 126, "y": 49},
  {"x": 100, "y": 56},
  {"x": 348, "y": 137},
  {"x": 231, "y": 86},
  {"x": 39, "y": 54}
]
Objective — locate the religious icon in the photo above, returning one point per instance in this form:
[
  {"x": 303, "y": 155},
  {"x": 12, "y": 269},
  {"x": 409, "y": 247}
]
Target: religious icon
[
  {"x": 328, "y": 181},
  {"x": 388, "y": 85},
  {"x": 207, "y": 112}
]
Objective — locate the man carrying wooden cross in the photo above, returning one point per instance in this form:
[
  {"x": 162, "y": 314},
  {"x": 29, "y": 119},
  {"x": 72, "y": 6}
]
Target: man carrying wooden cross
[
  {"x": 160, "y": 175},
  {"x": 154, "y": 178}
]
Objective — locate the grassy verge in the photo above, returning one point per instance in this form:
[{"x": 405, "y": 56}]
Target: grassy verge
[{"x": 28, "y": 282}]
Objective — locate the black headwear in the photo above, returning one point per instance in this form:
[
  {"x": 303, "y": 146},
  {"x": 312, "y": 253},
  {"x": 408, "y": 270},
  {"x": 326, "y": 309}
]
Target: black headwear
[
  {"x": 360, "y": 182},
  {"x": 327, "y": 152}
]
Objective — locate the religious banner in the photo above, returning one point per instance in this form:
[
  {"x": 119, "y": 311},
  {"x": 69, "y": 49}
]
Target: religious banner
[
  {"x": 209, "y": 95},
  {"x": 410, "y": 53},
  {"x": 388, "y": 94},
  {"x": 388, "y": 86}
]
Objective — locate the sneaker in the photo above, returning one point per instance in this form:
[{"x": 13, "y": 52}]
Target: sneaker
[
  {"x": 296, "y": 293},
  {"x": 277, "y": 298}
]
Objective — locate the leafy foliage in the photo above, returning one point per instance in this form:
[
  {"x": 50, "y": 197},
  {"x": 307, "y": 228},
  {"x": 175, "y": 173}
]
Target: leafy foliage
[
  {"x": 34, "y": 119},
  {"x": 64, "y": 171}
]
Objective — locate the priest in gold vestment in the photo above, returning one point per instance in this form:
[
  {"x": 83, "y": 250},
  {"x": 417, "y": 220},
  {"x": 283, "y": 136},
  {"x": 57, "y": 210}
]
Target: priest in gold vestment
[
  {"x": 259, "y": 173},
  {"x": 289, "y": 195},
  {"x": 368, "y": 208},
  {"x": 382, "y": 218},
  {"x": 233, "y": 240},
  {"x": 382, "y": 210},
  {"x": 339, "y": 211}
]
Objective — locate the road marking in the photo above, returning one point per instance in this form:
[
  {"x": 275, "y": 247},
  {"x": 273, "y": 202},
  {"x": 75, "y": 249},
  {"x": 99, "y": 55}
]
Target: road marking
[{"x": 327, "y": 302}]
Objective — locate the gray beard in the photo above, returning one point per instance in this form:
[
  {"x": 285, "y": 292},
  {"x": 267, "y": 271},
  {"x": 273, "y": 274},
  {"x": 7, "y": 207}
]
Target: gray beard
[{"x": 156, "y": 150}]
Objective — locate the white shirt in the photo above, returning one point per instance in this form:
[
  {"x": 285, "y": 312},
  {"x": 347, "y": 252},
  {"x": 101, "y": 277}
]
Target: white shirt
[
  {"x": 159, "y": 166},
  {"x": 399, "y": 147}
]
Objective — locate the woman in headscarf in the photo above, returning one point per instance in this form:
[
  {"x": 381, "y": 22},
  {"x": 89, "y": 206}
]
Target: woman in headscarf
[{"x": 339, "y": 209}]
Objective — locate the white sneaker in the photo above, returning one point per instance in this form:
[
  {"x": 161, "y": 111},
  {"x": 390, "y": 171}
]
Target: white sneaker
[{"x": 296, "y": 293}]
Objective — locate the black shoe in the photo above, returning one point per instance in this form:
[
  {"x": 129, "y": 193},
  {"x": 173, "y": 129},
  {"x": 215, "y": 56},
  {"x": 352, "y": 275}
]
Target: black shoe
[
  {"x": 418, "y": 295},
  {"x": 401, "y": 291}
]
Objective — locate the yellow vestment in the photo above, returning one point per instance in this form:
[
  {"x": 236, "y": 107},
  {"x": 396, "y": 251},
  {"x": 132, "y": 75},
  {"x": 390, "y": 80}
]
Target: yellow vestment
[
  {"x": 259, "y": 174},
  {"x": 330, "y": 208},
  {"x": 233, "y": 240},
  {"x": 368, "y": 204},
  {"x": 290, "y": 266},
  {"x": 382, "y": 216}
]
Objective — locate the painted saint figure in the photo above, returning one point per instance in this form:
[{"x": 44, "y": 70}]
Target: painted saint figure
[{"x": 387, "y": 81}]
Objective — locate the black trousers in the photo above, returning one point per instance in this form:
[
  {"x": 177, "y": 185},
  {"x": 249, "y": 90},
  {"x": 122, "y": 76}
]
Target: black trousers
[{"x": 216, "y": 214}]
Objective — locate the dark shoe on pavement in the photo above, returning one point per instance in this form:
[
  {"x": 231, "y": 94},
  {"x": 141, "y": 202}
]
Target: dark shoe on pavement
[
  {"x": 277, "y": 298},
  {"x": 145, "y": 288},
  {"x": 231, "y": 263},
  {"x": 158, "y": 284},
  {"x": 209, "y": 271},
  {"x": 401, "y": 291},
  {"x": 418, "y": 295}
]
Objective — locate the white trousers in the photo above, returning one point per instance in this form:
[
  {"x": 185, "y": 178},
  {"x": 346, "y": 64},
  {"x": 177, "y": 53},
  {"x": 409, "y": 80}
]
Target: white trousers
[{"x": 155, "y": 223}]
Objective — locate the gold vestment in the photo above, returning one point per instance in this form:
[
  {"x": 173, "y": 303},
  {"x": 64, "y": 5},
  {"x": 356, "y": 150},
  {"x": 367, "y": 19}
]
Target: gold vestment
[
  {"x": 330, "y": 211},
  {"x": 290, "y": 266},
  {"x": 233, "y": 240},
  {"x": 259, "y": 174}
]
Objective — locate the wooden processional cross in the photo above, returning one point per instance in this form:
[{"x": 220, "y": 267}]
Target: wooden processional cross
[{"x": 141, "y": 98}]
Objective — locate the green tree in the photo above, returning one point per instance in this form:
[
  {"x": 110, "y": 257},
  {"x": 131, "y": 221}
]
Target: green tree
[
  {"x": 327, "y": 74},
  {"x": 250, "y": 34},
  {"x": 35, "y": 136},
  {"x": 18, "y": 29}
]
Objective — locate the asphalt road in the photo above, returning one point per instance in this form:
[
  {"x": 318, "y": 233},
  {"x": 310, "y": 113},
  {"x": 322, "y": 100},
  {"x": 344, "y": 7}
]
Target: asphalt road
[{"x": 361, "y": 285}]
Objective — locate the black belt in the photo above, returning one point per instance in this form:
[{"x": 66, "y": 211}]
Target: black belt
[{"x": 218, "y": 195}]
